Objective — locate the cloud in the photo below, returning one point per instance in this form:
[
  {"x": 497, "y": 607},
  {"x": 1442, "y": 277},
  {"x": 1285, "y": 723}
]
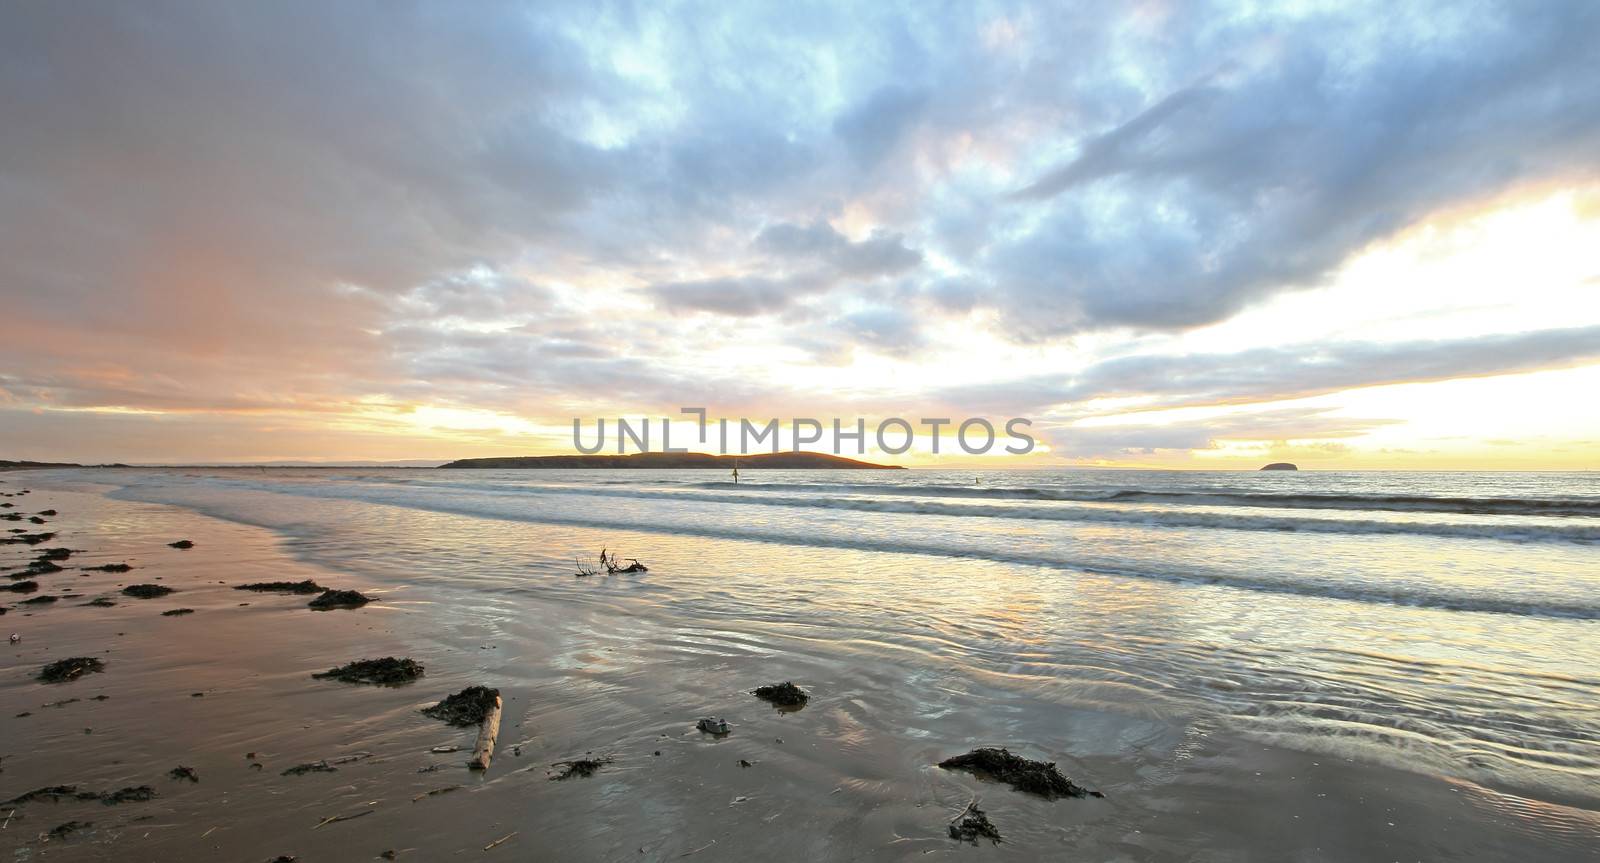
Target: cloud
[
  {"x": 875, "y": 127},
  {"x": 822, "y": 260},
  {"x": 245, "y": 208},
  {"x": 1288, "y": 372},
  {"x": 1316, "y": 138},
  {"x": 882, "y": 254},
  {"x": 1131, "y": 441}
]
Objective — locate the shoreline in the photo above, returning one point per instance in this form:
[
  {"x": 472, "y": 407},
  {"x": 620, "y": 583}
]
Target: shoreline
[{"x": 604, "y": 669}]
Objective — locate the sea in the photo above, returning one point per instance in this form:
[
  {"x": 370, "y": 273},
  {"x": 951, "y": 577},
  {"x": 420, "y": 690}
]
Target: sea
[{"x": 1440, "y": 624}]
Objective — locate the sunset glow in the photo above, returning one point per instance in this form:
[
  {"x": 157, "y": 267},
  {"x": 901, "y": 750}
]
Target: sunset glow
[{"x": 532, "y": 220}]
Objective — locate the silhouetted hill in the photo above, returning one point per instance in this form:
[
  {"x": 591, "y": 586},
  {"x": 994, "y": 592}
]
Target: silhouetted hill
[
  {"x": 676, "y": 461},
  {"x": 27, "y": 465}
]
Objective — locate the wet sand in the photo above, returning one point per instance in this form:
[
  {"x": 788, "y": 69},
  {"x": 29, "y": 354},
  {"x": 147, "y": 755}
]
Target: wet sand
[{"x": 851, "y": 776}]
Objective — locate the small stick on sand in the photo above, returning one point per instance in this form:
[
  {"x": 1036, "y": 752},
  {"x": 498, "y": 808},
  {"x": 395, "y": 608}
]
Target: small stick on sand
[
  {"x": 487, "y": 734},
  {"x": 698, "y": 850},
  {"x": 498, "y": 841},
  {"x": 435, "y": 792},
  {"x": 333, "y": 818}
]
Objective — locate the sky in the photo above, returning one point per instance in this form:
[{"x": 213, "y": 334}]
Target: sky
[{"x": 1178, "y": 235}]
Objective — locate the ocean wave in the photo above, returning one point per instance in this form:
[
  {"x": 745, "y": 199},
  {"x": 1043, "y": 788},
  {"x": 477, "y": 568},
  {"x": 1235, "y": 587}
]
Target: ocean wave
[
  {"x": 514, "y": 508},
  {"x": 1499, "y": 531},
  {"x": 1553, "y": 506}
]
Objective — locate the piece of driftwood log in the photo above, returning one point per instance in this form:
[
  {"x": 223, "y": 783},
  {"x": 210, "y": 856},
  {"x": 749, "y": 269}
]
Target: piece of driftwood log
[{"x": 488, "y": 732}]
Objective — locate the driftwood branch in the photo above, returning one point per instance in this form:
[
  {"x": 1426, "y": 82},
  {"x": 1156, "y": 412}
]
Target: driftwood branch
[
  {"x": 498, "y": 841},
  {"x": 488, "y": 732},
  {"x": 614, "y": 565},
  {"x": 611, "y": 564}
]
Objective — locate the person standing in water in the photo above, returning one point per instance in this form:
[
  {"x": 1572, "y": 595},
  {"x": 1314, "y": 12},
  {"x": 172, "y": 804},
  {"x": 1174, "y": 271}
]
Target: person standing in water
[{"x": 735, "y": 474}]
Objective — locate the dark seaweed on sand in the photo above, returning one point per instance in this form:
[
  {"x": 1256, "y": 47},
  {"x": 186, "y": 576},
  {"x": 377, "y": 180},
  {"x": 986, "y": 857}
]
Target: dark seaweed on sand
[
  {"x": 387, "y": 671},
  {"x": 39, "y": 600},
  {"x": 101, "y": 602},
  {"x": 63, "y": 670},
  {"x": 177, "y": 612},
  {"x": 581, "y": 767},
  {"x": 181, "y": 772},
  {"x": 312, "y": 767},
  {"x": 146, "y": 591},
  {"x": 51, "y": 793},
  {"x": 783, "y": 694},
  {"x": 307, "y": 586},
  {"x": 182, "y": 543},
  {"x": 62, "y": 831},
  {"x": 972, "y": 824},
  {"x": 1022, "y": 774},
  {"x": 55, "y": 793},
  {"x": 340, "y": 599},
  {"x": 22, "y": 587},
  {"x": 109, "y": 567},
  {"x": 467, "y": 707},
  {"x": 126, "y": 795}
]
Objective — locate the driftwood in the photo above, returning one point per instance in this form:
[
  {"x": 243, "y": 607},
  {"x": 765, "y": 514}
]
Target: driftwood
[
  {"x": 487, "y": 734},
  {"x": 436, "y": 792},
  {"x": 611, "y": 564},
  {"x": 334, "y": 819}
]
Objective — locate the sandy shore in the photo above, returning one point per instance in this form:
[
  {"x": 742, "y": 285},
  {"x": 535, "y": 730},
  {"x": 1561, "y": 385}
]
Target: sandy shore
[{"x": 227, "y": 690}]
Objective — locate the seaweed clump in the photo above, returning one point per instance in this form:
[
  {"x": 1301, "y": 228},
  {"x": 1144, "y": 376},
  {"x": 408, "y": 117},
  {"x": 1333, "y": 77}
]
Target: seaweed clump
[
  {"x": 126, "y": 795},
  {"x": 110, "y": 567},
  {"x": 783, "y": 694},
  {"x": 307, "y": 586},
  {"x": 387, "y": 671},
  {"x": 146, "y": 591},
  {"x": 581, "y": 767},
  {"x": 177, "y": 612},
  {"x": 51, "y": 793},
  {"x": 54, "y": 793},
  {"x": 467, "y": 707},
  {"x": 63, "y": 670},
  {"x": 22, "y": 587},
  {"x": 1022, "y": 774},
  {"x": 972, "y": 824},
  {"x": 340, "y": 599},
  {"x": 181, "y": 772},
  {"x": 311, "y": 767},
  {"x": 62, "y": 831}
]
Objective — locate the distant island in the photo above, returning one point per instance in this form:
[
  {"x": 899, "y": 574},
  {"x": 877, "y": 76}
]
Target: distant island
[
  {"x": 675, "y": 461},
  {"x": 33, "y": 465},
  {"x": 1281, "y": 465}
]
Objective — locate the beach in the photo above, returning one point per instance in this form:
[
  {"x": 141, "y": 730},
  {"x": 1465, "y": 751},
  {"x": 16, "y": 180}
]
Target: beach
[{"x": 1344, "y": 668}]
